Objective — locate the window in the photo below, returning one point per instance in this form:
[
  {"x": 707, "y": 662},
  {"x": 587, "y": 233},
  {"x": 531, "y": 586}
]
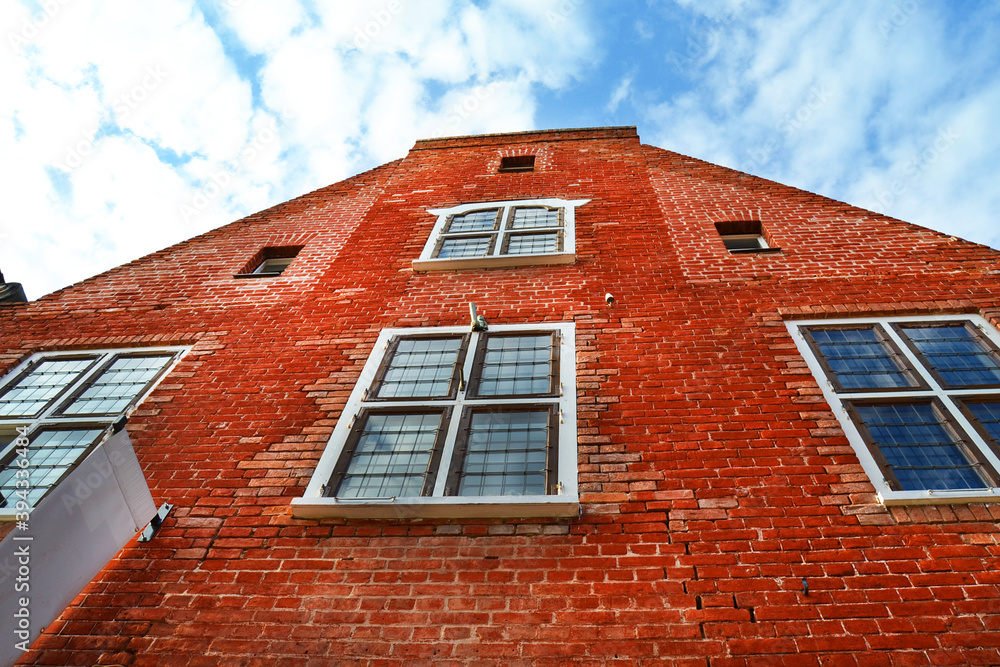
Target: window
[
  {"x": 447, "y": 422},
  {"x": 516, "y": 163},
  {"x": 63, "y": 405},
  {"x": 919, "y": 398},
  {"x": 269, "y": 262},
  {"x": 743, "y": 236},
  {"x": 538, "y": 231}
]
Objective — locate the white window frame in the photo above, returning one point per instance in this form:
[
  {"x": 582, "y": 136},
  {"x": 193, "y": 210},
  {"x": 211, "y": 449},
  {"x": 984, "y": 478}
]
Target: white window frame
[
  {"x": 13, "y": 427},
  {"x": 314, "y": 504},
  {"x": 886, "y": 494},
  {"x": 759, "y": 238},
  {"x": 427, "y": 261}
]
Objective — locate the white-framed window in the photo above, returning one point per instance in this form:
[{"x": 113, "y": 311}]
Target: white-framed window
[
  {"x": 509, "y": 233},
  {"x": 448, "y": 422},
  {"x": 56, "y": 407},
  {"x": 918, "y": 398}
]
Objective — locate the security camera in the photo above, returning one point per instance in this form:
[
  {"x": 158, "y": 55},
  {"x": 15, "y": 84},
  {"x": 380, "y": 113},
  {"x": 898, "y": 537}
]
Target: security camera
[{"x": 609, "y": 297}]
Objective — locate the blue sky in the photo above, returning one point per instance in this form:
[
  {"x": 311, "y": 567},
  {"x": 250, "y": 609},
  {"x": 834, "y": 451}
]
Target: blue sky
[{"x": 126, "y": 127}]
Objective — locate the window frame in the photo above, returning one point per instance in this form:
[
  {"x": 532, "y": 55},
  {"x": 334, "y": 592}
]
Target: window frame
[
  {"x": 52, "y": 415},
  {"x": 499, "y": 237},
  {"x": 948, "y": 400},
  {"x": 565, "y": 503}
]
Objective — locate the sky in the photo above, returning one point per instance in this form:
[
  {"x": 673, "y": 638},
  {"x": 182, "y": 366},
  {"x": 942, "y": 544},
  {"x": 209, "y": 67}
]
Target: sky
[{"x": 127, "y": 126}]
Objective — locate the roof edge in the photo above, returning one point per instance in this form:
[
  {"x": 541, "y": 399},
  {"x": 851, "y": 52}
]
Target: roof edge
[{"x": 568, "y": 134}]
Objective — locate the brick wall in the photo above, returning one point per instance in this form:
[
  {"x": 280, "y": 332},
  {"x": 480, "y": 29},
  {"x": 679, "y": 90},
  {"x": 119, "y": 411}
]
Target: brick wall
[{"x": 714, "y": 477}]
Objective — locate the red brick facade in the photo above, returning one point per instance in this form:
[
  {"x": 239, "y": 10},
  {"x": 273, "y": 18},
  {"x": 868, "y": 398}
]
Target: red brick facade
[{"x": 714, "y": 478}]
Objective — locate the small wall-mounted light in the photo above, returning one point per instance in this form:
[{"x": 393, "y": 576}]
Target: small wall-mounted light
[
  {"x": 478, "y": 321},
  {"x": 610, "y": 298}
]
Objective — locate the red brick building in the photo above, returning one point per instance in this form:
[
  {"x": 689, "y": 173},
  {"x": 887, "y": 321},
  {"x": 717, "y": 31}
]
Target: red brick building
[{"x": 699, "y": 418}]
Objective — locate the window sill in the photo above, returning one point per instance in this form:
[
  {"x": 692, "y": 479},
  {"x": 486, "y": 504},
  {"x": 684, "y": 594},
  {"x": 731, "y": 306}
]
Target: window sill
[
  {"x": 755, "y": 251},
  {"x": 423, "y": 265},
  {"x": 940, "y": 497},
  {"x": 502, "y": 507}
]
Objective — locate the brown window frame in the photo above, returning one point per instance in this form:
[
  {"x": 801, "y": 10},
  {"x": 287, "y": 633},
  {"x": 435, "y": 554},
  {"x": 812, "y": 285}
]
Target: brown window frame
[
  {"x": 456, "y": 377},
  {"x": 433, "y": 465},
  {"x": 59, "y": 410},
  {"x": 455, "y": 470},
  {"x": 831, "y": 376},
  {"x": 480, "y": 357},
  {"x": 971, "y": 450},
  {"x": 991, "y": 348},
  {"x": 59, "y": 396}
]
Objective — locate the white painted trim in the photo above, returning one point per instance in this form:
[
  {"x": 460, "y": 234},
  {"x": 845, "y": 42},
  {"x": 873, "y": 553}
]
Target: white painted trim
[
  {"x": 313, "y": 504},
  {"x": 887, "y": 495},
  {"x": 427, "y": 262}
]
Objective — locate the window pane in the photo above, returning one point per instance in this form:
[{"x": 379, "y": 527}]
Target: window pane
[
  {"x": 743, "y": 242},
  {"x": 391, "y": 457},
  {"x": 920, "y": 447},
  {"x": 421, "y": 367},
  {"x": 957, "y": 353},
  {"x": 33, "y": 392},
  {"x": 987, "y": 413},
  {"x": 115, "y": 388},
  {"x": 533, "y": 217},
  {"x": 532, "y": 244},
  {"x": 516, "y": 365},
  {"x": 861, "y": 359},
  {"x": 506, "y": 454},
  {"x": 466, "y": 246},
  {"x": 50, "y": 454},
  {"x": 474, "y": 221}
]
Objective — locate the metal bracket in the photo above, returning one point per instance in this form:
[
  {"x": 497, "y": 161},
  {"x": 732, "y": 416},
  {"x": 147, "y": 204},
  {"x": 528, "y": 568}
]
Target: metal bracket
[{"x": 154, "y": 525}]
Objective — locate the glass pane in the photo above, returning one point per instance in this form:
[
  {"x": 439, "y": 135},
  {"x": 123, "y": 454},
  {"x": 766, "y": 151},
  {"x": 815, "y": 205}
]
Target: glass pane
[
  {"x": 986, "y": 413},
  {"x": 534, "y": 217},
  {"x": 33, "y": 392},
  {"x": 920, "y": 447},
  {"x": 506, "y": 454},
  {"x": 516, "y": 365},
  {"x": 50, "y": 454},
  {"x": 957, "y": 353},
  {"x": 421, "y": 367},
  {"x": 474, "y": 221},
  {"x": 861, "y": 359},
  {"x": 391, "y": 457},
  {"x": 115, "y": 388},
  {"x": 743, "y": 242},
  {"x": 466, "y": 246},
  {"x": 532, "y": 244}
]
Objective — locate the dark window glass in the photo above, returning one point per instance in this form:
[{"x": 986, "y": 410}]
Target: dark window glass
[
  {"x": 420, "y": 367},
  {"x": 29, "y": 395},
  {"x": 987, "y": 413},
  {"x": 532, "y": 244},
  {"x": 921, "y": 449},
  {"x": 391, "y": 456},
  {"x": 117, "y": 386},
  {"x": 743, "y": 242},
  {"x": 861, "y": 359},
  {"x": 465, "y": 246},
  {"x": 533, "y": 217},
  {"x": 506, "y": 454},
  {"x": 960, "y": 357},
  {"x": 517, "y": 163},
  {"x": 51, "y": 454},
  {"x": 516, "y": 365},
  {"x": 474, "y": 221}
]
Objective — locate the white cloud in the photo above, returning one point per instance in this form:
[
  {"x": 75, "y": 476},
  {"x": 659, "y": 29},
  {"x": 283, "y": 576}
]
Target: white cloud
[{"x": 165, "y": 128}]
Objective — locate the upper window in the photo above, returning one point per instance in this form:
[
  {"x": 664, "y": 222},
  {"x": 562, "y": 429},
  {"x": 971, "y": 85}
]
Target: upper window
[
  {"x": 516, "y": 163},
  {"x": 919, "y": 398},
  {"x": 447, "y": 422},
  {"x": 57, "y": 407},
  {"x": 743, "y": 236},
  {"x": 539, "y": 231},
  {"x": 269, "y": 262}
]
